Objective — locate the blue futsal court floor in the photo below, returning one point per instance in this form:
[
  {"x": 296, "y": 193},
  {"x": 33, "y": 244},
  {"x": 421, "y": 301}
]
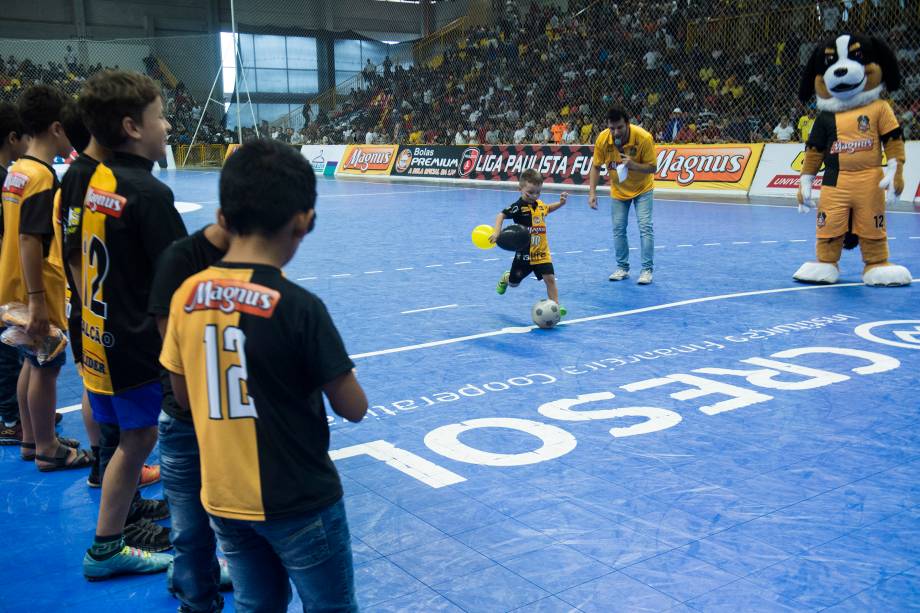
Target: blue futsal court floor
[{"x": 721, "y": 440}]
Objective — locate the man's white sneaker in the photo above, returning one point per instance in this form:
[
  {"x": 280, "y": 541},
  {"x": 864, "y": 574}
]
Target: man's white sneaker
[
  {"x": 619, "y": 274},
  {"x": 645, "y": 277}
]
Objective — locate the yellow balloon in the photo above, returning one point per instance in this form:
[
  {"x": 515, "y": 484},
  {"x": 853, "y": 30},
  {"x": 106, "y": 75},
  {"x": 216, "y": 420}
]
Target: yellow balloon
[{"x": 481, "y": 236}]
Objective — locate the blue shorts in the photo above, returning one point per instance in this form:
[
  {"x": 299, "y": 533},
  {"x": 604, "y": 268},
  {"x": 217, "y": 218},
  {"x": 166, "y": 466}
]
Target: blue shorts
[
  {"x": 57, "y": 362},
  {"x": 129, "y": 410}
]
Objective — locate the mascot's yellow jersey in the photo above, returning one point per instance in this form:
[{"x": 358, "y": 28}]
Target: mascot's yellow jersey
[{"x": 851, "y": 140}]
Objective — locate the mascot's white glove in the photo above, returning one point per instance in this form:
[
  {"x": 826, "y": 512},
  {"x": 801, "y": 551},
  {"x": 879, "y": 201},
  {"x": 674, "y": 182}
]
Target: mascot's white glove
[
  {"x": 887, "y": 183},
  {"x": 804, "y": 196},
  {"x": 622, "y": 171}
]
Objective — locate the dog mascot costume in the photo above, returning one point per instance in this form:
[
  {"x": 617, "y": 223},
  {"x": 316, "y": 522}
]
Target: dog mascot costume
[{"x": 853, "y": 126}]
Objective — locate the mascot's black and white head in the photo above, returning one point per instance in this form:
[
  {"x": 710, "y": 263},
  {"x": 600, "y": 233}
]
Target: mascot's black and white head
[{"x": 848, "y": 72}]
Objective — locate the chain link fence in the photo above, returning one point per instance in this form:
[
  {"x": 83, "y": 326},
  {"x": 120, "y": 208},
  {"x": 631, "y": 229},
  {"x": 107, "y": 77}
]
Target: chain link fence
[{"x": 497, "y": 72}]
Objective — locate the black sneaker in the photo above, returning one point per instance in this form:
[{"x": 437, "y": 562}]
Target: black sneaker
[
  {"x": 148, "y": 508},
  {"x": 147, "y": 536},
  {"x": 10, "y": 435},
  {"x": 57, "y": 418},
  {"x": 95, "y": 479}
]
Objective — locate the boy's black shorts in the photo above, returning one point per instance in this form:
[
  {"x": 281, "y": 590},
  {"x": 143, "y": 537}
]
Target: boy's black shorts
[
  {"x": 75, "y": 332},
  {"x": 520, "y": 268}
]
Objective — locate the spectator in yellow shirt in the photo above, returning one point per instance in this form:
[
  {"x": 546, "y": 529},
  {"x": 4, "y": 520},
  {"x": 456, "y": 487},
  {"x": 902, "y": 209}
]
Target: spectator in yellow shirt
[{"x": 806, "y": 121}]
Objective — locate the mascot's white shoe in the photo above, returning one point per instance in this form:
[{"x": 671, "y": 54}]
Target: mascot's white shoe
[
  {"x": 890, "y": 275},
  {"x": 817, "y": 272}
]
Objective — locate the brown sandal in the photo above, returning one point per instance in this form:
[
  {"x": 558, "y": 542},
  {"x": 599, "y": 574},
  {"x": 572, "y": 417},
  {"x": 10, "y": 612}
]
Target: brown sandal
[
  {"x": 58, "y": 461},
  {"x": 62, "y": 440}
]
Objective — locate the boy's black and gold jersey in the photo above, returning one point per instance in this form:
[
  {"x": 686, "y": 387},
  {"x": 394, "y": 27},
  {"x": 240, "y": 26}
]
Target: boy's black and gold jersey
[
  {"x": 256, "y": 350},
  {"x": 3, "y": 174},
  {"x": 28, "y": 208},
  {"x": 532, "y": 215},
  {"x": 128, "y": 218},
  {"x": 73, "y": 190},
  {"x": 180, "y": 261}
]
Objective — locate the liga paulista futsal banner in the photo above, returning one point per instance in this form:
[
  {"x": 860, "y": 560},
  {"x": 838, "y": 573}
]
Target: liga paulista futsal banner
[
  {"x": 707, "y": 167},
  {"x": 367, "y": 160},
  {"x": 781, "y": 166}
]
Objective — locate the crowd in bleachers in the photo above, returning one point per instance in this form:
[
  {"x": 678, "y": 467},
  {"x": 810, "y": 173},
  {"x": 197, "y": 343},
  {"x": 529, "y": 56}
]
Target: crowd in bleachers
[
  {"x": 540, "y": 75},
  {"x": 68, "y": 74}
]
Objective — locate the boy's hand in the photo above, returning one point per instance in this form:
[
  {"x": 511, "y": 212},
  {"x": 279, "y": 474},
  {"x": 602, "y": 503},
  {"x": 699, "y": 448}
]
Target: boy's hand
[
  {"x": 493, "y": 237},
  {"x": 38, "y": 325},
  {"x": 592, "y": 201},
  {"x": 563, "y": 197}
]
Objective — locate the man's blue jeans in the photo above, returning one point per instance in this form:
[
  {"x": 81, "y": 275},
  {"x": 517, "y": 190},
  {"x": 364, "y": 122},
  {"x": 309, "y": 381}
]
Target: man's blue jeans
[
  {"x": 313, "y": 550},
  {"x": 619, "y": 212},
  {"x": 196, "y": 574}
]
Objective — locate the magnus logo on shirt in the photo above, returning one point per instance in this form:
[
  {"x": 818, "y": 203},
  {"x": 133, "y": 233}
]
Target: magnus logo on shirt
[
  {"x": 16, "y": 183},
  {"x": 104, "y": 202},
  {"x": 228, "y": 296},
  {"x": 852, "y": 146}
]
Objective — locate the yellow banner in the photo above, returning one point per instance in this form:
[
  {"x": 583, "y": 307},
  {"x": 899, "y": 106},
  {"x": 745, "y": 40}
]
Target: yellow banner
[
  {"x": 710, "y": 167},
  {"x": 367, "y": 160}
]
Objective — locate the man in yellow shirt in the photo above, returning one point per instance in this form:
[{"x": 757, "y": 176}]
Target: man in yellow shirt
[
  {"x": 806, "y": 122},
  {"x": 628, "y": 152}
]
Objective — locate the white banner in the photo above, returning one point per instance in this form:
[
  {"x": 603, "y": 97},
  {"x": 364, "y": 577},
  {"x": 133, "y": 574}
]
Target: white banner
[
  {"x": 323, "y": 158},
  {"x": 781, "y": 164}
]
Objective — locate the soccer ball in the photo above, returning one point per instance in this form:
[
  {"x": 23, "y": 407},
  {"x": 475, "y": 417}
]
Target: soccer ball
[{"x": 545, "y": 313}]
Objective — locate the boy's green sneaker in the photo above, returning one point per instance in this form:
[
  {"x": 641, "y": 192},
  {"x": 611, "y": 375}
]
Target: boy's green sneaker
[
  {"x": 503, "y": 282},
  {"x": 128, "y": 561},
  {"x": 562, "y": 311}
]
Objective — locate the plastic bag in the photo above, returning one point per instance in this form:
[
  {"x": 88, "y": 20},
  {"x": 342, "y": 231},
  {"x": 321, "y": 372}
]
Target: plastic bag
[{"x": 15, "y": 316}]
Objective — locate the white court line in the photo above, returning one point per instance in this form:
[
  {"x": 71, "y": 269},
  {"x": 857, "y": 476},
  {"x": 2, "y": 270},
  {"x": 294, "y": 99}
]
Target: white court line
[
  {"x": 913, "y": 237},
  {"x": 659, "y": 307},
  {"x": 798, "y": 240},
  {"x": 409, "y": 268},
  {"x": 70, "y": 409},
  {"x": 741, "y": 242},
  {"x": 711, "y": 244},
  {"x": 347, "y": 274},
  {"x": 421, "y": 191},
  {"x": 685, "y": 245},
  {"x": 459, "y": 263},
  {"x": 446, "y": 306},
  {"x": 660, "y": 246},
  {"x": 606, "y": 249},
  {"x": 307, "y": 278},
  {"x": 576, "y": 251},
  {"x": 372, "y": 272},
  {"x": 434, "y": 265},
  {"x": 490, "y": 260},
  {"x": 768, "y": 242}
]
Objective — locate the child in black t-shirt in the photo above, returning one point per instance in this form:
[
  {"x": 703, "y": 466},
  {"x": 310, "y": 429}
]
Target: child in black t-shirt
[
  {"x": 529, "y": 211},
  {"x": 252, "y": 354}
]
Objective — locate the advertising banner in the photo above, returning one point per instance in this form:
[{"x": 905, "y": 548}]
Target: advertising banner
[
  {"x": 729, "y": 167},
  {"x": 434, "y": 161},
  {"x": 323, "y": 158},
  {"x": 367, "y": 160},
  {"x": 782, "y": 164},
  {"x": 702, "y": 167}
]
